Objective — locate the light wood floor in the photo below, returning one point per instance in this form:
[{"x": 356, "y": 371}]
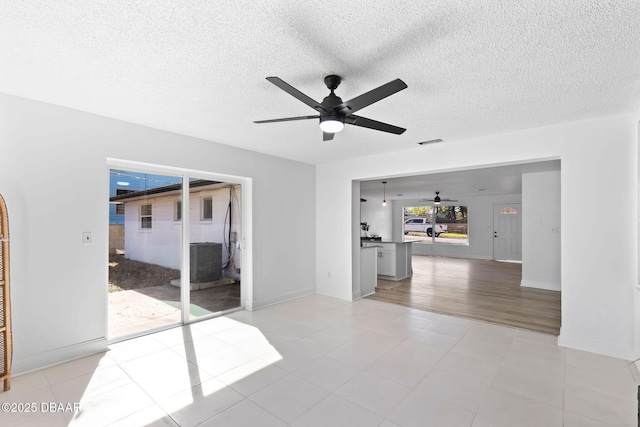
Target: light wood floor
[{"x": 477, "y": 289}]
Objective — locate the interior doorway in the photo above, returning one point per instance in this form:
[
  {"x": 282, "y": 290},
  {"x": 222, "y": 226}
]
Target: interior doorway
[
  {"x": 493, "y": 199},
  {"x": 174, "y": 249}
]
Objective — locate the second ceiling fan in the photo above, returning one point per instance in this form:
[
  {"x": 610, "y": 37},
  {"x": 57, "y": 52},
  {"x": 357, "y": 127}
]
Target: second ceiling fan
[
  {"x": 334, "y": 113},
  {"x": 437, "y": 200}
]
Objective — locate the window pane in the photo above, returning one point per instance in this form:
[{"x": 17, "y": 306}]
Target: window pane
[
  {"x": 214, "y": 259},
  {"x": 145, "y": 222},
  {"x": 417, "y": 220},
  {"x": 207, "y": 208},
  {"x": 508, "y": 211},
  {"x": 144, "y": 253},
  {"x": 436, "y": 224},
  {"x": 178, "y": 211},
  {"x": 452, "y": 225}
]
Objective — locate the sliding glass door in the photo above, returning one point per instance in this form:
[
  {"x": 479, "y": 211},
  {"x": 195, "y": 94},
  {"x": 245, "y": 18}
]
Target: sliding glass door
[
  {"x": 174, "y": 255},
  {"x": 144, "y": 252},
  {"x": 214, "y": 227}
]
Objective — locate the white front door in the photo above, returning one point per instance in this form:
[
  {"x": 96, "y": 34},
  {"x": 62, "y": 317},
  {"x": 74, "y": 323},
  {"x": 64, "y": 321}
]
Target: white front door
[{"x": 507, "y": 232}]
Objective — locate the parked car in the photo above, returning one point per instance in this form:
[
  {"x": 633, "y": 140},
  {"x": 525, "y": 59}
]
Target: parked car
[{"x": 422, "y": 225}]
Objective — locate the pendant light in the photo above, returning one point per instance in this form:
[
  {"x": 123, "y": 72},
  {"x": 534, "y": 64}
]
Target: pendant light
[{"x": 384, "y": 197}]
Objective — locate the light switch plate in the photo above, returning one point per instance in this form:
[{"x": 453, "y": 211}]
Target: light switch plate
[{"x": 87, "y": 238}]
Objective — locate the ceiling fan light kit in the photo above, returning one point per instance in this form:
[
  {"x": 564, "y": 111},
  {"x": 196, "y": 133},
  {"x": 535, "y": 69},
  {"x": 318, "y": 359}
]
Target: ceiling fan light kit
[
  {"x": 334, "y": 114},
  {"x": 331, "y": 124}
]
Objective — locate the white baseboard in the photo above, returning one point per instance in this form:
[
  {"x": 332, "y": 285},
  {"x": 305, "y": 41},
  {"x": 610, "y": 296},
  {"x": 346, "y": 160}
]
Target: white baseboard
[
  {"x": 549, "y": 286},
  {"x": 59, "y": 355},
  {"x": 626, "y": 353},
  {"x": 462, "y": 256},
  {"x": 266, "y": 302},
  {"x": 359, "y": 295},
  {"x": 332, "y": 293}
]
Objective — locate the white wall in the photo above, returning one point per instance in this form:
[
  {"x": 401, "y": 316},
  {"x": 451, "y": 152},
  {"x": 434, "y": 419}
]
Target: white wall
[
  {"x": 598, "y": 156},
  {"x": 541, "y": 249},
  {"x": 378, "y": 217},
  {"x": 160, "y": 244},
  {"x": 637, "y": 287},
  {"x": 54, "y": 178}
]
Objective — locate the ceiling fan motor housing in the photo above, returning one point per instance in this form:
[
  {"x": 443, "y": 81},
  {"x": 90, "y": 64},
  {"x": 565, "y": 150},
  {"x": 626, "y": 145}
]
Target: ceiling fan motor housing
[{"x": 332, "y": 81}]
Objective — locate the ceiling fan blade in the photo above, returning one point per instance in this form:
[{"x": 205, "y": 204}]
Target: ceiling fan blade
[
  {"x": 432, "y": 200},
  {"x": 297, "y": 94},
  {"x": 368, "y": 98},
  {"x": 287, "y": 119},
  {"x": 373, "y": 124},
  {"x": 326, "y": 136}
]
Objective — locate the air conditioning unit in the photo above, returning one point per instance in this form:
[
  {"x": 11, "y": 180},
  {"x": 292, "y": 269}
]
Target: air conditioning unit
[{"x": 205, "y": 262}]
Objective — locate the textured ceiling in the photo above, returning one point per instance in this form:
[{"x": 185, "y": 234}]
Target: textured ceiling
[{"x": 198, "y": 68}]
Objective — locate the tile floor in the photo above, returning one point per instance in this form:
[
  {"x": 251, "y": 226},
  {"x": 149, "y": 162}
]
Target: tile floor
[{"x": 319, "y": 361}]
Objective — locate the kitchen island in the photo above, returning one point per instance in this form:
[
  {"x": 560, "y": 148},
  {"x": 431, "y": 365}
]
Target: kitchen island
[{"x": 394, "y": 259}]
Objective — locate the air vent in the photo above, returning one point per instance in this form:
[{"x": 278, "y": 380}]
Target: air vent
[{"x": 431, "y": 141}]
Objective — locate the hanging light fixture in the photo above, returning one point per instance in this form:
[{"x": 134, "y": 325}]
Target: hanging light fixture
[
  {"x": 436, "y": 201},
  {"x": 384, "y": 199}
]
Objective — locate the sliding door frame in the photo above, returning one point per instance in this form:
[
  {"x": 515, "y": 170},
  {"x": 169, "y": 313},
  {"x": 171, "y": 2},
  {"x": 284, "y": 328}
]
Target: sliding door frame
[{"x": 244, "y": 241}]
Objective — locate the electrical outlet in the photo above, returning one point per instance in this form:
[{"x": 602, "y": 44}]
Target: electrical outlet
[{"x": 87, "y": 238}]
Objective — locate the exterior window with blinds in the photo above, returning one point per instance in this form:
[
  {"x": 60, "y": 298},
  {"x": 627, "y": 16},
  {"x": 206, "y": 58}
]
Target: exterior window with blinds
[
  {"x": 120, "y": 206},
  {"x": 207, "y": 209},
  {"x": 177, "y": 216},
  {"x": 145, "y": 216}
]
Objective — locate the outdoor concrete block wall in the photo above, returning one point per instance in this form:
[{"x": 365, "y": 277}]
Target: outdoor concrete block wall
[{"x": 116, "y": 239}]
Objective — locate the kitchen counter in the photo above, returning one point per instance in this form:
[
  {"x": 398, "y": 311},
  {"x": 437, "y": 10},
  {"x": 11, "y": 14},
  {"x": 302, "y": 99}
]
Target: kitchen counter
[{"x": 374, "y": 242}]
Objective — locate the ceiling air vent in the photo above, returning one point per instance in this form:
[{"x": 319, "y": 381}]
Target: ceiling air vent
[{"x": 431, "y": 141}]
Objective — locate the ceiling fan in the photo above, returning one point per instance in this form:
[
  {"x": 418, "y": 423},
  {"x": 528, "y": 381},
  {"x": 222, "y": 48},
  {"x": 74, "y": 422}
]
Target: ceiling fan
[
  {"x": 333, "y": 113},
  {"x": 437, "y": 200}
]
